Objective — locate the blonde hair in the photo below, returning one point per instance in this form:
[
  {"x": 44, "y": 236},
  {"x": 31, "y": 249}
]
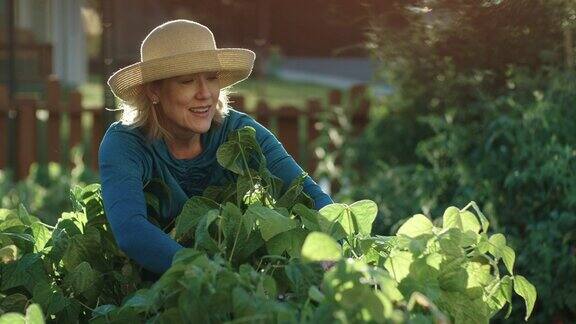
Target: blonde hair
[{"x": 140, "y": 113}]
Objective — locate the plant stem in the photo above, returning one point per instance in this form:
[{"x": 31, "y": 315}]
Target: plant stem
[
  {"x": 246, "y": 165},
  {"x": 235, "y": 240}
]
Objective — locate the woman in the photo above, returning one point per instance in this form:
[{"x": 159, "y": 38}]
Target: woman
[{"x": 175, "y": 116}]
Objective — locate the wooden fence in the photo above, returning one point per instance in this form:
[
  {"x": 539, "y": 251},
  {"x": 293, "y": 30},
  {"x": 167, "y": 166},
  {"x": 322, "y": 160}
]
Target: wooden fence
[{"x": 45, "y": 130}]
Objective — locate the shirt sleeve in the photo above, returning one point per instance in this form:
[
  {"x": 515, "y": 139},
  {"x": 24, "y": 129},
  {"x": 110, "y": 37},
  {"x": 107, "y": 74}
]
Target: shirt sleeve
[
  {"x": 122, "y": 164},
  {"x": 282, "y": 164}
]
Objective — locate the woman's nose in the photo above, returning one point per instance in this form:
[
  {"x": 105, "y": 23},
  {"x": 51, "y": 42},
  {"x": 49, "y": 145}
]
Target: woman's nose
[{"x": 203, "y": 91}]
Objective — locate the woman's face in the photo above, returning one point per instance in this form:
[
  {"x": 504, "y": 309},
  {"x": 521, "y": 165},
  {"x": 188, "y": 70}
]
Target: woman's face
[{"x": 188, "y": 103}]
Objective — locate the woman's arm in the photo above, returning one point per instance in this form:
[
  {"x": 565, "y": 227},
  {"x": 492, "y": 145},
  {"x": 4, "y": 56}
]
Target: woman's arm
[
  {"x": 122, "y": 166},
  {"x": 282, "y": 165}
]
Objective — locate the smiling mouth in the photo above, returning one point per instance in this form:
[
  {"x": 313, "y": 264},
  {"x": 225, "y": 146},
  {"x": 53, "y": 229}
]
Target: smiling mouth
[{"x": 200, "y": 110}]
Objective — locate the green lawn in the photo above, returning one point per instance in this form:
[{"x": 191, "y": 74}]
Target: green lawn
[
  {"x": 276, "y": 92},
  {"x": 92, "y": 96}
]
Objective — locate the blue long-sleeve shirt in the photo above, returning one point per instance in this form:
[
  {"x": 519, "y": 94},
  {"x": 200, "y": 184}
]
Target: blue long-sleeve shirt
[{"x": 128, "y": 161}]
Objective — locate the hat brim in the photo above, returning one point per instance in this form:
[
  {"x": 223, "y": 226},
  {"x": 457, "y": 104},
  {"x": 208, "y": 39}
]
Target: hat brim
[{"x": 232, "y": 64}]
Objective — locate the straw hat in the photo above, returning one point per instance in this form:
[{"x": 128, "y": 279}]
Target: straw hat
[{"x": 181, "y": 47}]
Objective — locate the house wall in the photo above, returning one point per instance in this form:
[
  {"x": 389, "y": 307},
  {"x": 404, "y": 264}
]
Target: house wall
[
  {"x": 312, "y": 28},
  {"x": 69, "y": 42},
  {"x": 54, "y": 22}
]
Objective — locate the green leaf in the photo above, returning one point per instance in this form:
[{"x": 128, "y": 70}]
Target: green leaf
[
  {"x": 290, "y": 197},
  {"x": 158, "y": 196},
  {"x": 247, "y": 248},
  {"x": 271, "y": 222},
  {"x": 364, "y": 211},
  {"x": 450, "y": 242},
  {"x": 319, "y": 246},
  {"x": 398, "y": 264},
  {"x": 81, "y": 248},
  {"x": 462, "y": 308},
  {"x": 506, "y": 290},
  {"x": 24, "y": 237},
  {"x": 60, "y": 242},
  {"x": 110, "y": 313},
  {"x": 82, "y": 278},
  {"x": 502, "y": 294},
  {"x": 103, "y": 310},
  {"x": 237, "y": 229},
  {"x": 367, "y": 248},
  {"x": 27, "y": 271},
  {"x": 152, "y": 205},
  {"x": 41, "y": 236},
  {"x": 419, "y": 245},
  {"x": 450, "y": 216},
  {"x": 421, "y": 278},
  {"x": 192, "y": 211},
  {"x": 76, "y": 198},
  {"x": 508, "y": 256},
  {"x": 69, "y": 225},
  {"x": 24, "y": 216},
  {"x": 12, "y": 318},
  {"x": 499, "y": 249},
  {"x": 309, "y": 217},
  {"x": 315, "y": 294},
  {"x": 10, "y": 220},
  {"x": 290, "y": 241},
  {"x": 13, "y": 303},
  {"x": 79, "y": 220},
  {"x": 268, "y": 284},
  {"x": 497, "y": 244},
  {"x": 483, "y": 246},
  {"x": 465, "y": 220},
  {"x": 34, "y": 315},
  {"x": 50, "y": 297},
  {"x": 453, "y": 276},
  {"x": 202, "y": 235},
  {"x": 527, "y": 291},
  {"x": 415, "y": 226},
  {"x": 483, "y": 221},
  {"x": 233, "y": 221},
  {"x": 301, "y": 276},
  {"x": 348, "y": 222},
  {"x": 235, "y": 154},
  {"x": 478, "y": 277},
  {"x": 330, "y": 218},
  {"x": 186, "y": 256},
  {"x": 142, "y": 300}
]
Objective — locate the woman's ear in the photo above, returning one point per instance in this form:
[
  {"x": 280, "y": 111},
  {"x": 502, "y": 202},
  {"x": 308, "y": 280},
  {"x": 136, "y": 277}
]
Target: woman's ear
[{"x": 152, "y": 90}]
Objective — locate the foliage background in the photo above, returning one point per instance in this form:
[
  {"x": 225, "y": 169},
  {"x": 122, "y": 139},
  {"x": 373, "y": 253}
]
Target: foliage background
[{"x": 482, "y": 109}]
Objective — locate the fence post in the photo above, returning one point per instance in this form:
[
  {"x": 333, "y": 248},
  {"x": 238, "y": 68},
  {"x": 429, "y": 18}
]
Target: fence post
[
  {"x": 361, "y": 108},
  {"x": 26, "y": 130},
  {"x": 54, "y": 119},
  {"x": 313, "y": 109},
  {"x": 75, "y": 113},
  {"x": 334, "y": 99},
  {"x": 4, "y": 117},
  {"x": 238, "y": 102},
  {"x": 263, "y": 114},
  {"x": 96, "y": 137},
  {"x": 288, "y": 130}
]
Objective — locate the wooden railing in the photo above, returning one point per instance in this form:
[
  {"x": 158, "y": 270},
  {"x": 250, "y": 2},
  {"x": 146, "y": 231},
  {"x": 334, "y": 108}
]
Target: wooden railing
[{"x": 45, "y": 130}]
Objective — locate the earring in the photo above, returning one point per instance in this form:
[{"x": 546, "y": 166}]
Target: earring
[{"x": 154, "y": 102}]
